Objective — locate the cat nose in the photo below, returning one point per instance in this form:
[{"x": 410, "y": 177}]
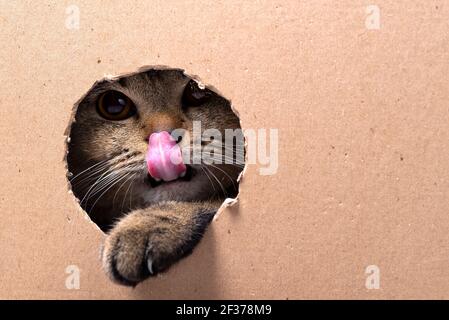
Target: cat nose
[{"x": 161, "y": 122}]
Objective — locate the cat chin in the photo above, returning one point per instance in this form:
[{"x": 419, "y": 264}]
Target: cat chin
[{"x": 175, "y": 191}]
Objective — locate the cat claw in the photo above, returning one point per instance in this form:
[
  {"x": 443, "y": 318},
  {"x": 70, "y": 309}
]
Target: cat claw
[{"x": 150, "y": 265}]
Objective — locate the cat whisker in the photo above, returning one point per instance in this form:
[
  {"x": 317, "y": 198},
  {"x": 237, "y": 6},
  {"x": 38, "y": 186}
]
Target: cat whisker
[
  {"x": 92, "y": 175},
  {"x": 130, "y": 177},
  {"x": 126, "y": 176},
  {"x": 208, "y": 177},
  {"x": 131, "y": 185},
  {"x": 109, "y": 188},
  {"x": 106, "y": 165},
  {"x": 108, "y": 180},
  {"x": 219, "y": 156},
  {"x": 114, "y": 161},
  {"x": 104, "y": 185},
  {"x": 227, "y": 174},
  {"x": 130, "y": 196},
  {"x": 102, "y": 163},
  {"x": 225, "y": 160},
  {"x": 105, "y": 178},
  {"x": 95, "y": 184},
  {"x": 219, "y": 183}
]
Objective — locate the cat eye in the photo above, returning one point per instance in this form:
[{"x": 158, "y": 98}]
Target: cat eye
[
  {"x": 114, "y": 105},
  {"x": 194, "y": 95}
]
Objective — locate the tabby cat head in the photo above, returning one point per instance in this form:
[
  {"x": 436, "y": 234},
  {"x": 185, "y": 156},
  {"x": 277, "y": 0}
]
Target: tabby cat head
[{"x": 109, "y": 141}]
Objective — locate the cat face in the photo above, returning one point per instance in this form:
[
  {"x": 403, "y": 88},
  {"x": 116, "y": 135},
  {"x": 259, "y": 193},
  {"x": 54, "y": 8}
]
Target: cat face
[{"x": 109, "y": 140}]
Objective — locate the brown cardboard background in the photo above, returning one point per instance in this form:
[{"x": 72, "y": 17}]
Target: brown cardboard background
[{"x": 349, "y": 104}]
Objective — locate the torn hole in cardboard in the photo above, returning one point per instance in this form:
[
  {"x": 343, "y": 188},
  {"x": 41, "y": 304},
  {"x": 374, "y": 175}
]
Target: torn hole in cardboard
[{"x": 106, "y": 155}]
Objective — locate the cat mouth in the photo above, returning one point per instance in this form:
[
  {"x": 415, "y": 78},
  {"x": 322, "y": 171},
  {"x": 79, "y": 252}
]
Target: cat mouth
[{"x": 156, "y": 183}]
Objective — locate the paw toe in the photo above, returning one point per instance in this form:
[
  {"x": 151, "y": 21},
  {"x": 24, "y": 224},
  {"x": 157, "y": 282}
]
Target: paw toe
[{"x": 125, "y": 262}]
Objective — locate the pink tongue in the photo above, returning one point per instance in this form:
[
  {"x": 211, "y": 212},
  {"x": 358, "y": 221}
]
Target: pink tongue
[{"x": 164, "y": 159}]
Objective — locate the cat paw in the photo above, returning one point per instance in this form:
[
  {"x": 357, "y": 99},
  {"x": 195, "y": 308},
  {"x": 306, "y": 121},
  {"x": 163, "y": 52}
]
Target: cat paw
[
  {"x": 130, "y": 255},
  {"x": 143, "y": 244}
]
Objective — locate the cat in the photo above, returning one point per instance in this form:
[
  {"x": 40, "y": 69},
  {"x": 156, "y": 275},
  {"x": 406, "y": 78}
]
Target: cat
[{"x": 150, "y": 223}]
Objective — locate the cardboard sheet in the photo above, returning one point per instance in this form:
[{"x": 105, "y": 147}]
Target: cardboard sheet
[{"x": 358, "y": 91}]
